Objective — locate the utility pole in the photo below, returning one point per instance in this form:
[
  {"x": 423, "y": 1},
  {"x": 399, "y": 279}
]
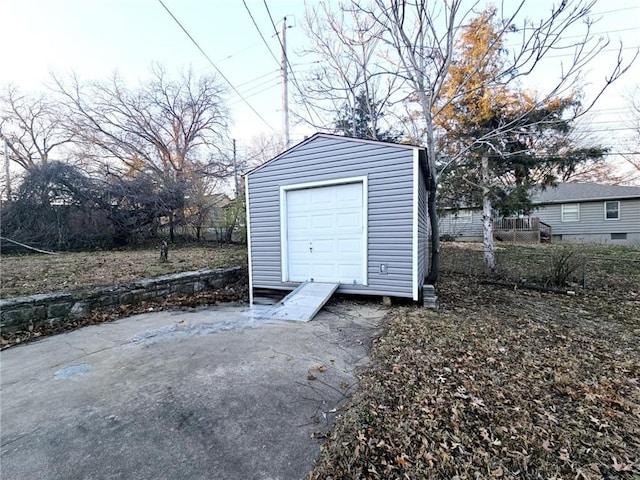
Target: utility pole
[
  {"x": 285, "y": 86},
  {"x": 235, "y": 168}
]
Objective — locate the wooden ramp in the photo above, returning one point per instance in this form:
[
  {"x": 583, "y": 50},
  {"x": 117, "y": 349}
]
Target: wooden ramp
[{"x": 303, "y": 303}]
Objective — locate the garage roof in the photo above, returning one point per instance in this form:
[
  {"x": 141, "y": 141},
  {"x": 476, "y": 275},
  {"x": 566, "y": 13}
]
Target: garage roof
[{"x": 337, "y": 137}]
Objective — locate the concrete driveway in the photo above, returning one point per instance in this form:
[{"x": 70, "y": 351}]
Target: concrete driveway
[{"x": 209, "y": 394}]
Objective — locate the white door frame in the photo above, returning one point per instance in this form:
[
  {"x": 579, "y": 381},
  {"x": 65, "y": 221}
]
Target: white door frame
[{"x": 284, "y": 254}]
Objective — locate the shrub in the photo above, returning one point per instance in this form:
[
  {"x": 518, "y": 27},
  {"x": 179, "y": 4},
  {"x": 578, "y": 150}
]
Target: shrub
[{"x": 562, "y": 267}]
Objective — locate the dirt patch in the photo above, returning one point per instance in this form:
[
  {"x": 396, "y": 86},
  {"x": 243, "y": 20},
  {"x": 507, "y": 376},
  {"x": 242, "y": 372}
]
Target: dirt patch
[
  {"x": 71, "y": 271},
  {"x": 500, "y": 383}
]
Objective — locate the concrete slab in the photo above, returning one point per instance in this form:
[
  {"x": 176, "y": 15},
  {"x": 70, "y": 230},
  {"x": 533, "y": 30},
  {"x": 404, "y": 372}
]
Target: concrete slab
[{"x": 211, "y": 394}]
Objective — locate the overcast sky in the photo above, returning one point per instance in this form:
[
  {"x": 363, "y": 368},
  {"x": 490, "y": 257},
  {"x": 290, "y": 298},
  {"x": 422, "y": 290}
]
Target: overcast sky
[{"x": 96, "y": 37}]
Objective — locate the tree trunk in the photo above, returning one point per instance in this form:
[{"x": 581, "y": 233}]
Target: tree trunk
[
  {"x": 432, "y": 209},
  {"x": 432, "y": 199},
  {"x": 487, "y": 218},
  {"x": 172, "y": 237}
]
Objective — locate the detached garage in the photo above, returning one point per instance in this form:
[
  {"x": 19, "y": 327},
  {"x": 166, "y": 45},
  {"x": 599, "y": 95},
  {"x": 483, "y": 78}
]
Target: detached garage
[{"x": 339, "y": 210}]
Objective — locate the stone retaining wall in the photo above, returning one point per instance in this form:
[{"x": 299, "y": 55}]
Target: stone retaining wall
[{"x": 50, "y": 308}]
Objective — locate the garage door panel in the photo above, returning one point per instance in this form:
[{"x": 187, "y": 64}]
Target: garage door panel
[
  {"x": 350, "y": 195},
  {"x": 329, "y": 220},
  {"x": 299, "y": 247},
  {"x": 298, "y": 224},
  {"x": 349, "y": 220},
  {"x": 299, "y": 270},
  {"x": 322, "y": 247},
  {"x": 322, "y": 221},
  {"x": 297, "y": 201},
  {"x": 321, "y": 272},
  {"x": 350, "y": 246},
  {"x": 320, "y": 198},
  {"x": 350, "y": 271}
]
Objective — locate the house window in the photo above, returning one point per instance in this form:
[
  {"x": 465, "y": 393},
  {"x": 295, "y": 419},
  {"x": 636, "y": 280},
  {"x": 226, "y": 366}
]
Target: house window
[
  {"x": 463, "y": 215},
  {"x": 571, "y": 212},
  {"x": 618, "y": 236},
  {"x": 612, "y": 210}
]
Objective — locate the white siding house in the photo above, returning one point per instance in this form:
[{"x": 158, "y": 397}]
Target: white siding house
[
  {"x": 576, "y": 212},
  {"x": 339, "y": 209}
]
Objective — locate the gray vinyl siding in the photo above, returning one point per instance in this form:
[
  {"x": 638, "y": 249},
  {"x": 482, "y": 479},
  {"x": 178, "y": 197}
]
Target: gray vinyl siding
[
  {"x": 389, "y": 173},
  {"x": 462, "y": 229},
  {"x": 592, "y": 226}
]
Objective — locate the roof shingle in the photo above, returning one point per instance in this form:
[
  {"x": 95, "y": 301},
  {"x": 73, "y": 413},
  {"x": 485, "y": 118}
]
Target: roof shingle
[{"x": 583, "y": 192}]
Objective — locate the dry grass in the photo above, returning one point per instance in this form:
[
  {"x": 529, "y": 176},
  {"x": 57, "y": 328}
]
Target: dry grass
[
  {"x": 499, "y": 383},
  {"x": 612, "y": 267},
  {"x": 38, "y": 273}
]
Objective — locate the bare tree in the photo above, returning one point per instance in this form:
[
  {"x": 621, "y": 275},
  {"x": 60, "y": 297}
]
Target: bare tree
[
  {"x": 419, "y": 39},
  {"x": 32, "y": 127},
  {"x": 165, "y": 128},
  {"x": 261, "y": 148},
  {"x": 348, "y": 73},
  {"x": 201, "y": 203},
  {"x": 633, "y": 157}
]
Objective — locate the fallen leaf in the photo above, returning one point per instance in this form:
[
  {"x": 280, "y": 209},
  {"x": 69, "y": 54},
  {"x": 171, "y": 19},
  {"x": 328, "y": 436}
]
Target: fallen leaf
[
  {"x": 621, "y": 467},
  {"x": 497, "y": 473}
]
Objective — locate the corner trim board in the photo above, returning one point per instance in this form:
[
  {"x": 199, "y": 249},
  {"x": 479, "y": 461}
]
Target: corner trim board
[
  {"x": 249, "y": 259},
  {"x": 416, "y": 205}
]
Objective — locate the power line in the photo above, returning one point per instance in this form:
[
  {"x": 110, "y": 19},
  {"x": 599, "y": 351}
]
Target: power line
[
  {"x": 614, "y": 109},
  {"x": 260, "y": 77},
  {"x": 250, "y": 92},
  {"x": 260, "y": 32},
  {"x": 615, "y": 11},
  {"x": 554, "y": 155},
  {"x": 598, "y": 122},
  {"x": 253, "y": 94},
  {"x": 295, "y": 80},
  {"x": 591, "y": 34},
  {"x": 237, "y": 52},
  {"x": 606, "y": 130},
  {"x": 214, "y": 65},
  {"x": 599, "y": 51}
]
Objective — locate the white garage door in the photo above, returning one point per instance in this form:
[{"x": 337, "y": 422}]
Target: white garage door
[{"x": 325, "y": 234}]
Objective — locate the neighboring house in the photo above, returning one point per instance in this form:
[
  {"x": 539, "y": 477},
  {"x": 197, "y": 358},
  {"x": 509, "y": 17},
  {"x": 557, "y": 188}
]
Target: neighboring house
[
  {"x": 221, "y": 220},
  {"x": 591, "y": 213},
  {"x": 576, "y": 212},
  {"x": 340, "y": 210}
]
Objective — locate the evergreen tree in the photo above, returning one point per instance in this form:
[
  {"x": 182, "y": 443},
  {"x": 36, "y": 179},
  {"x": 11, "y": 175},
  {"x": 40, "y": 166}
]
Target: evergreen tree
[
  {"x": 505, "y": 141},
  {"x": 361, "y": 121}
]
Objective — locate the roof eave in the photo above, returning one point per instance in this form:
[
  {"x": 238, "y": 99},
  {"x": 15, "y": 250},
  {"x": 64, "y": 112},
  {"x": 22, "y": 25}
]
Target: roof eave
[
  {"x": 583, "y": 200},
  {"x": 328, "y": 135}
]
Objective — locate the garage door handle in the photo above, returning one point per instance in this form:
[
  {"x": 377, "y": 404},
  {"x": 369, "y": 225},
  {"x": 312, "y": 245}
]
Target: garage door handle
[{"x": 310, "y": 248}]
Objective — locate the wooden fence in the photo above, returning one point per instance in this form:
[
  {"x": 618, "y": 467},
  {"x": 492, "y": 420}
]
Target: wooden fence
[{"x": 522, "y": 230}]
